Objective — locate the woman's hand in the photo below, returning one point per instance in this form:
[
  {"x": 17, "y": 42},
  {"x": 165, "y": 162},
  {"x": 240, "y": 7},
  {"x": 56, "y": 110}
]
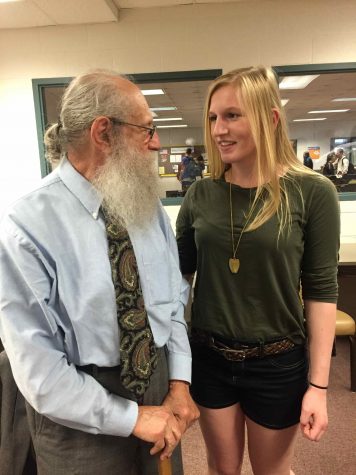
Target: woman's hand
[{"x": 314, "y": 416}]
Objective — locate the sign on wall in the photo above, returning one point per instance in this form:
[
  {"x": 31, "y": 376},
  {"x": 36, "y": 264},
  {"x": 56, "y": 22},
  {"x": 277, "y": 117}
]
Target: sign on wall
[{"x": 314, "y": 152}]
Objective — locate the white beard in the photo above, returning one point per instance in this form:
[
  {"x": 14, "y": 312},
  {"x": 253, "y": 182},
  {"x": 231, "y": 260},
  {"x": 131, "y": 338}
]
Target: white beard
[{"x": 128, "y": 184}]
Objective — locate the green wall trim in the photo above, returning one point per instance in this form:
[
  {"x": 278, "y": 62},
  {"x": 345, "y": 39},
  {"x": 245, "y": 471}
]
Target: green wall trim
[
  {"x": 174, "y": 201},
  {"x": 322, "y": 68},
  {"x": 60, "y": 81},
  {"x": 347, "y": 196},
  {"x": 37, "y": 89},
  {"x": 176, "y": 76}
]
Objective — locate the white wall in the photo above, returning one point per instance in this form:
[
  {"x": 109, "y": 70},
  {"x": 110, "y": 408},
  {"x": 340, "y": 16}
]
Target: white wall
[
  {"x": 177, "y": 137},
  {"x": 187, "y": 37},
  {"x": 348, "y": 222}
]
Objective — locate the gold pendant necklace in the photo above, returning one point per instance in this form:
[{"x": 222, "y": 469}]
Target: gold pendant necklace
[{"x": 234, "y": 262}]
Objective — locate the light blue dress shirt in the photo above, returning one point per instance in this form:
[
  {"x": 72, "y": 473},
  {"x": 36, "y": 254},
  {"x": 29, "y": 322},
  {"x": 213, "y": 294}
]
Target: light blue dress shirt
[{"x": 57, "y": 302}]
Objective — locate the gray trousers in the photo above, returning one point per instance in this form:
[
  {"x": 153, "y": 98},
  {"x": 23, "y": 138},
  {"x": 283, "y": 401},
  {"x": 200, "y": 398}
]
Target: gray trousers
[
  {"x": 64, "y": 451},
  {"x": 15, "y": 440}
]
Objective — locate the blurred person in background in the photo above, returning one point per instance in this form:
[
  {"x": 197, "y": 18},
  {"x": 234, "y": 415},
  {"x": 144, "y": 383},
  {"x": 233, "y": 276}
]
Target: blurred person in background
[{"x": 307, "y": 160}]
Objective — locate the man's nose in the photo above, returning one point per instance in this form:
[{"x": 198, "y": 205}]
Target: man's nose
[{"x": 154, "y": 143}]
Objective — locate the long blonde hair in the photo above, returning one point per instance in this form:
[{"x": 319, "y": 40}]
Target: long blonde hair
[{"x": 259, "y": 94}]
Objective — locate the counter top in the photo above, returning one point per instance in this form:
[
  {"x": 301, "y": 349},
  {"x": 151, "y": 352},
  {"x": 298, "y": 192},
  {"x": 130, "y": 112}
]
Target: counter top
[{"x": 348, "y": 253}]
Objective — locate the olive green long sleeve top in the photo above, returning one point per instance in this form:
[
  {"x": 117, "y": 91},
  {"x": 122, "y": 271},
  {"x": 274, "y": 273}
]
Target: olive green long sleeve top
[{"x": 261, "y": 301}]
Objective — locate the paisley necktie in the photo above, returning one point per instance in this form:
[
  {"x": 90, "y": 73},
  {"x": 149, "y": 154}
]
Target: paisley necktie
[{"x": 138, "y": 355}]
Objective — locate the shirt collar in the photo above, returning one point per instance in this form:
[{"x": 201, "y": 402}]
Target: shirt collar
[{"x": 80, "y": 187}]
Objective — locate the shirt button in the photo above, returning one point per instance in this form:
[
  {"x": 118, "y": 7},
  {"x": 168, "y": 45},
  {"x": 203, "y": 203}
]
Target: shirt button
[{"x": 95, "y": 215}]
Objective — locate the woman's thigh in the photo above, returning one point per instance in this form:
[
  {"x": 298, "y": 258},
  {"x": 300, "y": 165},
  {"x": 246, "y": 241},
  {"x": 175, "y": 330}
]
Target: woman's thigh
[
  {"x": 224, "y": 435},
  {"x": 271, "y": 451}
]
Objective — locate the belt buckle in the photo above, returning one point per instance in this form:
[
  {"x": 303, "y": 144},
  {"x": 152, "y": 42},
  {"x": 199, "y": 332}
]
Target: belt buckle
[
  {"x": 235, "y": 355},
  {"x": 241, "y": 355},
  {"x": 229, "y": 354}
]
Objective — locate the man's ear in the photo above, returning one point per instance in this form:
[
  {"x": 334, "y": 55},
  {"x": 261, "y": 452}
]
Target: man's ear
[
  {"x": 99, "y": 133},
  {"x": 275, "y": 117}
]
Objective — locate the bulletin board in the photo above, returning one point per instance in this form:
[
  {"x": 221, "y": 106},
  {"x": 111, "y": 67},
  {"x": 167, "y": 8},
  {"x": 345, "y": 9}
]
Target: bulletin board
[{"x": 170, "y": 157}]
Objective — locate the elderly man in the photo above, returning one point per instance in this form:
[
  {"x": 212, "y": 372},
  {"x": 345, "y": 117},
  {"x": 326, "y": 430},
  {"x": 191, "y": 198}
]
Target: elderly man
[
  {"x": 91, "y": 296},
  {"x": 341, "y": 163}
]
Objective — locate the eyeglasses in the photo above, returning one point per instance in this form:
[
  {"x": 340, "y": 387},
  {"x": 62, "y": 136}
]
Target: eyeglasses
[{"x": 151, "y": 130}]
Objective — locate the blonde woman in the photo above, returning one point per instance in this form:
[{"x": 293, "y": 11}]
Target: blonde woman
[{"x": 262, "y": 226}]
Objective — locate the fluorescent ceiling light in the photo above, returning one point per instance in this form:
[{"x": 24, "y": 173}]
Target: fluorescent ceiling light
[
  {"x": 168, "y": 118},
  {"x": 309, "y": 120},
  {"x": 10, "y": 1},
  {"x": 328, "y": 111},
  {"x": 296, "y": 82},
  {"x": 170, "y": 108},
  {"x": 344, "y": 99},
  {"x": 170, "y": 126},
  {"x": 284, "y": 101},
  {"x": 152, "y": 92}
]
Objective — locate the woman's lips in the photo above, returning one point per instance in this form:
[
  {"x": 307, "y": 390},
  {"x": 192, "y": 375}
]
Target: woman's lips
[{"x": 226, "y": 145}]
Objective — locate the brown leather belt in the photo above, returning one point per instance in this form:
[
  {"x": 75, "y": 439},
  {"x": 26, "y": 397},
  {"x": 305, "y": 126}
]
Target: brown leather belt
[{"x": 239, "y": 351}]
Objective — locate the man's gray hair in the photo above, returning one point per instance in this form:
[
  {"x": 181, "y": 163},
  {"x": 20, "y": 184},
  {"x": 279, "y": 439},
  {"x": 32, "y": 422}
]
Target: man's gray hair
[{"x": 88, "y": 96}]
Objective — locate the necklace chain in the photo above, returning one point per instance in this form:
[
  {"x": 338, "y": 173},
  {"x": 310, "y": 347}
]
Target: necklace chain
[{"x": 235, "y": 248}]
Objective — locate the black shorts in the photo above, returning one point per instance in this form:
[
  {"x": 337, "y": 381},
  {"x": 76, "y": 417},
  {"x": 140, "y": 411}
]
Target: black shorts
[{"x": 270, "y": 389}]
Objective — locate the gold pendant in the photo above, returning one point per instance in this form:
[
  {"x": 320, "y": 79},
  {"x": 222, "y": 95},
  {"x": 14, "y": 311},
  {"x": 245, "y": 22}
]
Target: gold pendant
[{"x": 234, "y": 265}]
